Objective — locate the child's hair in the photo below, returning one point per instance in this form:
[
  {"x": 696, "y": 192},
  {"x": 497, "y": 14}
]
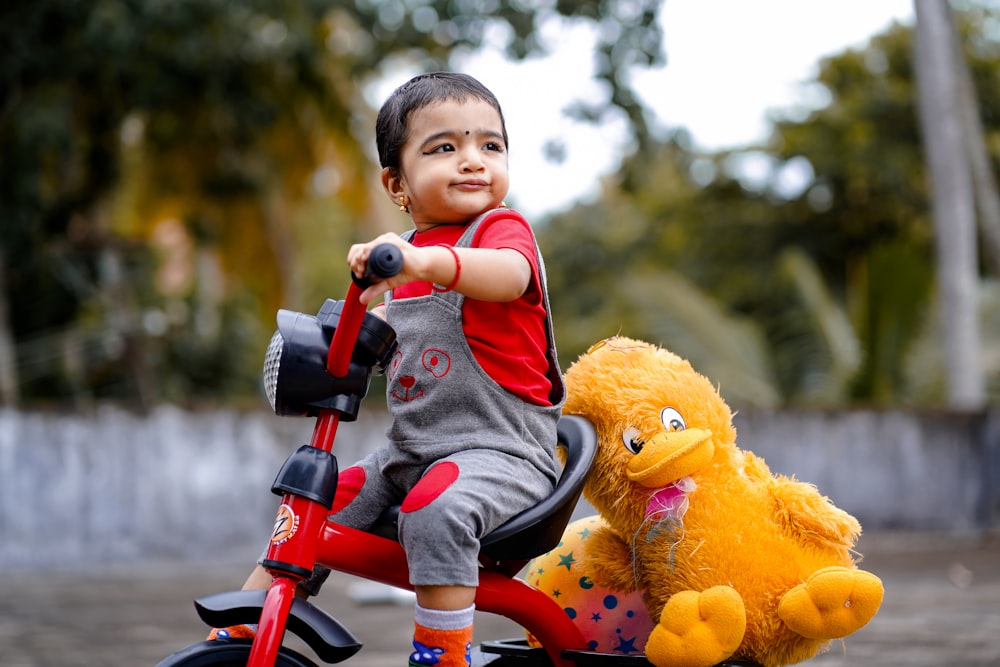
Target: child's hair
[{"x": 391, "y": 125}]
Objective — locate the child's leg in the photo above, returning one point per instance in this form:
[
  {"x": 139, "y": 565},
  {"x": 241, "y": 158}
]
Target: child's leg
[
  {"x": 259, "y": 579},
  {"x": 445, "y": 597},
  {"x": 442, "y": 633},
  {"x": 455, "y": 503}
]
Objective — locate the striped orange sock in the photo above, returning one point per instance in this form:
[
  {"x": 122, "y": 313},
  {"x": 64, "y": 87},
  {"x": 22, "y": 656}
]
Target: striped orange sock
[{"x": 442, "y": 637}]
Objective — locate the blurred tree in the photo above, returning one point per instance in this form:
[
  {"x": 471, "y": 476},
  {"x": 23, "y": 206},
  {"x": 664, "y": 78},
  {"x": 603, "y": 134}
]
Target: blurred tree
[
  {"x": 941, "y": 104},
  {"x": 977, "y": 144},
  {"x": 809, "y": 284},
  {"x": 230, "y": 124}
]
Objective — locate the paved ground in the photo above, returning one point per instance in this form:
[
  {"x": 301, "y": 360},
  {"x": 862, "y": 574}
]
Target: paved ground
[{"x": 942, "y": 608}]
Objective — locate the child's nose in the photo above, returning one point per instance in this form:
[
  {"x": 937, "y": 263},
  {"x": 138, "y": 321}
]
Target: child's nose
[{"x": 472, "y": 160}]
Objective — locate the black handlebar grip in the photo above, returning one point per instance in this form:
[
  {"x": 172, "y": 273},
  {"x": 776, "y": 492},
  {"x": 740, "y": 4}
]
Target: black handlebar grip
[{"x": 384, "y": 261}]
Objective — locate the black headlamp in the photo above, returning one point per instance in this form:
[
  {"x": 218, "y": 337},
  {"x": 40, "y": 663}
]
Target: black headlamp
[{"x": 295, "y": 377}]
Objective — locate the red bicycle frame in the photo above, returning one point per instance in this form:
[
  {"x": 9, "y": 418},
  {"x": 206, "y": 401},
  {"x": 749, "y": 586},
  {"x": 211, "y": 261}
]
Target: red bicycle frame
[{"x": 300, "y": 517}]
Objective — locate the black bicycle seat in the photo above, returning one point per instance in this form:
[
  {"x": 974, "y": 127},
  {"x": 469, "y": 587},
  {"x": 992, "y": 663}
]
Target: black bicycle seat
[{"x": 539, "y": 528}]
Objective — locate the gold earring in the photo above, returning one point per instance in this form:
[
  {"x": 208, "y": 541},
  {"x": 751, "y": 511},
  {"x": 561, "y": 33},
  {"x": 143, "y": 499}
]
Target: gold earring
[
  {"x": 404, "y": 204},
  {"x": 503, "y": 204}
]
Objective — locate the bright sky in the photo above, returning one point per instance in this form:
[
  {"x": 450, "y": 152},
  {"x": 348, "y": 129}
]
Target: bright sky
[{"x": 728, "y": 63}]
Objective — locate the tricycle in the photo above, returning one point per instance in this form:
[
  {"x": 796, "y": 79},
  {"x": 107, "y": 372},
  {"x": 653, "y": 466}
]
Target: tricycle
[{"x": 321, "y": 366}]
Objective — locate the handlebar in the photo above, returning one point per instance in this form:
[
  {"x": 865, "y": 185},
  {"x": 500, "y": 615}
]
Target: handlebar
[{"x": 384, "y": 261}]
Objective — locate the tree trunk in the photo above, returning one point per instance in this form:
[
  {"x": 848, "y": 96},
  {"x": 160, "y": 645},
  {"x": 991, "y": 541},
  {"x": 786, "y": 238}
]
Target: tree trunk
[
  {"x": 123, "y": 320},
  {"x": 952, "y": 200},
  {"x": 9, "y": 394},
  {"x": 983, "y": 180}
]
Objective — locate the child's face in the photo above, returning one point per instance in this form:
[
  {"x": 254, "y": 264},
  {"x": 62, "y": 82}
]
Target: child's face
[{"x": 453, "y": 165}]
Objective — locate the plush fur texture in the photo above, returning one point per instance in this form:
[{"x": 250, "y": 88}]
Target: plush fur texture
[{"x": 733, "y": 561}]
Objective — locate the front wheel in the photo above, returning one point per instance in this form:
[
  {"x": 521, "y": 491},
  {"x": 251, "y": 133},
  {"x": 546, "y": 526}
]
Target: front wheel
[{"x": 228, "y": 653}]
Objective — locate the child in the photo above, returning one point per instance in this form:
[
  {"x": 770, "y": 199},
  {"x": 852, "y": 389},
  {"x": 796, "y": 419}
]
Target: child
[{"x": 474, "y": 390}]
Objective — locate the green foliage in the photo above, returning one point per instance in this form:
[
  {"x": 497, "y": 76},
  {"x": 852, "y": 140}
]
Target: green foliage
[
  {"x": 197, "y": 86},
  {"x": 120, "y": 119},
  {"x": 820, "y": 295},
  {"x": 175, "y": 170}
]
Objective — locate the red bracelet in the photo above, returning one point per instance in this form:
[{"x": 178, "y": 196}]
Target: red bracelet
[{"x": 458, "y": 271}]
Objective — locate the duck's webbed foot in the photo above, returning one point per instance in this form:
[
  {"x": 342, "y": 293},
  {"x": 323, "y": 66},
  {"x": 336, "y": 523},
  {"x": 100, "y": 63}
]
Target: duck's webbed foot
[
  {"x": 832, "y": 603},
  {"x": 698, "y": 629}
]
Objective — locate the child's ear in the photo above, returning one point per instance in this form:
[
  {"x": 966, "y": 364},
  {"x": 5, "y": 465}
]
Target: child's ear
[{"x": 392, "y": 183}]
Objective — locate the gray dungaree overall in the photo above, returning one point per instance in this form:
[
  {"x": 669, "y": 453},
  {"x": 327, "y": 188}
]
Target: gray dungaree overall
[{"x": 483, "y": 454}]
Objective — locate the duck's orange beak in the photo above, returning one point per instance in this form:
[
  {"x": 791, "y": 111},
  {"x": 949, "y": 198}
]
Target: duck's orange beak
[{"x": 671, "y": 455}]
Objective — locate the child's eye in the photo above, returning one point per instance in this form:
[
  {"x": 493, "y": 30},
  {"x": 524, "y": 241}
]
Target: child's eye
[
  {"x": 494, "y": 146},
  {"x": 443, "y": 148}
]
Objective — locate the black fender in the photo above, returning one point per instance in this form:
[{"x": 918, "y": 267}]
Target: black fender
[{"x": 324, "y": 634}]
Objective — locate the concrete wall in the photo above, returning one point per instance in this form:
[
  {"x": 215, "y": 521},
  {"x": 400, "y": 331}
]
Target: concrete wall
[
  {"x": 110, "y": 486},
  {"x": 113, "y": 486},
  {"x": 893, "y": 469}
]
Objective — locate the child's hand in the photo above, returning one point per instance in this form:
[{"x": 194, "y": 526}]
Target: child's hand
[
  {"x": 357, "y": 259},
  {"x": 487, "y": 274}
]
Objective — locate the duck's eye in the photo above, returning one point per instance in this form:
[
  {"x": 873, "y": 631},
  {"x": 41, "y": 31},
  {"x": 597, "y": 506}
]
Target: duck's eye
[
  {"x": 631, "y": 439},
  {"x": 672, "y": 419}
]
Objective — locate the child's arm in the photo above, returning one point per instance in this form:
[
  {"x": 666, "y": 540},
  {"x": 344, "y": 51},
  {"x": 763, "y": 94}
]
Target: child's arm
[{"x": 486, "y": 274}]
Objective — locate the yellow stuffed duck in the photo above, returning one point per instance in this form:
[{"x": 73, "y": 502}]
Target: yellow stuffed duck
[{"x": 699, "y": 554}]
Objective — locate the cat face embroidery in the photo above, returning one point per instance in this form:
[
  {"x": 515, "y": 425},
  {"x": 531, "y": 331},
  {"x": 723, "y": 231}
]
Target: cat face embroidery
[{"x": 435, "y": 363}]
